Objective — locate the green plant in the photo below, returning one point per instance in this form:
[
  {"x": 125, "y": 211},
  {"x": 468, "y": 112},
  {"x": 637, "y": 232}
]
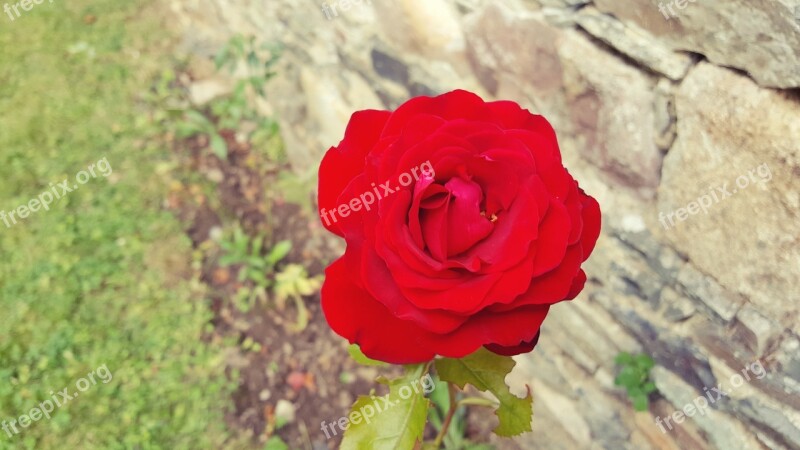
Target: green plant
[
  {"x": 257, "y": 60},
  {"x": 195, "y": 123},
  {"x": 455, "y": 435},
  {"x": 634, "y": 376},
  {"x": 293, "y": 283},
  {"x": 229, "y": 112},
  {"x": 276, "y": 443},
  {"x": 245, "y": 252},
  {"x": 297, "y": 189},
  {"x": 403, "y": 425}
]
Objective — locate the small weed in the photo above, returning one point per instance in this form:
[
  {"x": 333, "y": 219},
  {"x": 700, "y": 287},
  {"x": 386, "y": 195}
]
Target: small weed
[
  {"x": 276, "y": 443},
  {"x": 293, "y": 283},
  {"x": 236, "y": 111},
  {"x": 254, "y": 267},
  {"x": 635, "y": 378}
]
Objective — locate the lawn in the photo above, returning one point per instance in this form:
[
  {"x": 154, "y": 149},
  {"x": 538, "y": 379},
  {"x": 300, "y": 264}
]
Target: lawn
[{"x": 104, "y": 277}]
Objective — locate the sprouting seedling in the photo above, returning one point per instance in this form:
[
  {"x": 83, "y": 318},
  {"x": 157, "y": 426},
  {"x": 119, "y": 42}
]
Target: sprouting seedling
[{"x": 635, "y": 378}]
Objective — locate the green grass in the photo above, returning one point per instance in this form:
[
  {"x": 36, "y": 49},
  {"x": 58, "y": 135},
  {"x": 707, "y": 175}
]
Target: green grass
[{"x": 97, "y": 279}]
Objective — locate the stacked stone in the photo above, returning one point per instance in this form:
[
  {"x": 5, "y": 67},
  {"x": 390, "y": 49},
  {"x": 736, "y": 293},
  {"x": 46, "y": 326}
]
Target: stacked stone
[{"x": 653, "y": 113}]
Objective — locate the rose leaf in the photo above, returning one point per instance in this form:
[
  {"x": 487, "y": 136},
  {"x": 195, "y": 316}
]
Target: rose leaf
[
  {"x": 361, "y": 358},
  {"x": 487, "y": 372},
  {"x": 394, "y": 421}
]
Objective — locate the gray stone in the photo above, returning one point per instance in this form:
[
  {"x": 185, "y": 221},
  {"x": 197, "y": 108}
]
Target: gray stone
[
  {"x": 607, "y": 427},
  {"x": 707, "y": 291},
  {"x": 640, "y": 280},
  {"x": 772, "y": 419},
  {"x": 590, "y": 347},
  {"x": 677, "y": 308},
  {"x": 666, "y": 119},
  {"x": 586, "y": 92},
  {"x": 723, "y": 431},
  {"x": 760, "y": 36},
  {"x": 756, "y": 330},
  {"x": 633, "y": 42},
  {"x": 747, "y": 240},
  {"x": 203, "y": 91},
  {"x": 662, "y": 258},
  {"x": 788, "y": 359},
  {"x": 608, "y": 89},
  {"x": 429, "y": 27},
  {"x": 612, "y": 108}
]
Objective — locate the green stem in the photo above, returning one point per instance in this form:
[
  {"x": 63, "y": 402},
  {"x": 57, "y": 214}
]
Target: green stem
[
  {"x": 453, "y": 407},
  {"x": 477, "y": 401}
]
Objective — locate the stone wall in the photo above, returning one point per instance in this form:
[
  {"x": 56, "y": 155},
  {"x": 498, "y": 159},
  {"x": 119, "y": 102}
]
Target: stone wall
[{"x": 658, "y": 111}]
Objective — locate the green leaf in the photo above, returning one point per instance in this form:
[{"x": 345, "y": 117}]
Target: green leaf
[
  {"x": 635, "y": 391},
  {"x": 487, "y": 372},
  {"x": 361, "y": 358},
  {"x": 252, "y": 59},
  {"x": 218, "y": 146},
  {"x": 280, "y": 251},
  {"x": 258, "y": 241},
  {"x": 222, "y": 57},
  {"x": 276, "y": 443},
  {"x": 649, "y": 387},
  {"x": 396, "y": 427},
  {"x": 302, "y": 314},
  {"x": 624, "y": 359},
  {"x": 228, "y": 260},
  {"x": 199, "y": 119},
  {"x": 257, "y": 263},
  {"x": 440, "y": 397},
  {"x": 188, "y": 129},
  {"x": 645, "y": 362},
  {"x": 639, "y": 402},
  {"x": 258, "y": 277},
  {"x": 628, "y": 377}
]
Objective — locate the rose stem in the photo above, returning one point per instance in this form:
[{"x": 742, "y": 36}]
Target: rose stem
[{"x": 453, "y": 406}]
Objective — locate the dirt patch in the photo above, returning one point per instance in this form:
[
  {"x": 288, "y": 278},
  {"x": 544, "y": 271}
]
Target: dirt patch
[{"x": 308, "y": 372}]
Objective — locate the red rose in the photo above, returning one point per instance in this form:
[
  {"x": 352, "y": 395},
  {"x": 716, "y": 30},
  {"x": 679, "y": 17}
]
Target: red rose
[{"x": 462, "y": 228}]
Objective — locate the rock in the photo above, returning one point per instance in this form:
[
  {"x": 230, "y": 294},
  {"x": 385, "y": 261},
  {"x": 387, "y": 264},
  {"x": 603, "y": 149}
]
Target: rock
[
  {"x": 565, "y": 412},
  {"x": 765, "y": 29},
  {"x": 748, "y": 240},
  {"x": 637, "y": 117},
  {"x": 663, "y": 259},
  {"x": 756, "y": 330},
  {"x": 204, "y": 91},
  {"x": 430, "y": 27},
  {"x": 722, "y": 430},
  {"x": 611, "y": 105},
  {"x": 639, "y": 278},
  {"x": 677, "y": 307},
  {"x": 702, "y": 289},
  {"x": 503, "y": 46},
  {"x": 633, "y": 42},
  {"x": 285, "y": 411},
  {"x": 773, "y": 419},
  {"x": 788, "y": 358},
  {"x": 606, "y": 425}
]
